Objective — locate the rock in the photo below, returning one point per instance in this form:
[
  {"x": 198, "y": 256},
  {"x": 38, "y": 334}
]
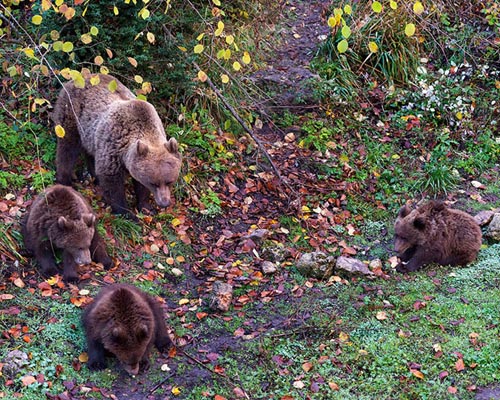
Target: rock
[
  {"x": 14, "y": 361},
  {"x": 353, "y": 266},
  {"x": 275, "y": 253},
  {"x": 257, "y": 236},
  {"x": 316, "y": 265},
  {"x": 268, "y": 268},
  {"x": 484, "y": 217},
  {"x": 493, "y": 230},
  {"x": 374, "y": 264},
  {"x": 222, "y": 295}
]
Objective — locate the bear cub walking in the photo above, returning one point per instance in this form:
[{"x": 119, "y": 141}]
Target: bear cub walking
[
  {"x": 434, "y": 233},
  {"x": 118, "y": 134},
  {"x": 126, "y": 322},
  {"x": 60, "y": 218}
]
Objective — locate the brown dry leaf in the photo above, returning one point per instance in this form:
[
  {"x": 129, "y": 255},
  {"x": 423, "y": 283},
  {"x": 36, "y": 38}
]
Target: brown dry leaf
[
  {"x": 83, "y": 357},
  {"x": 417, "y": 373},
  {"x": 28, "y": 380},
  {"x": 307, "y": 366},
  {"x": 381, "y": 315},
  {"x": 459, "y": 365},
  {"x": 19, "y": 283},
  {"x": 333, "y": 385}
]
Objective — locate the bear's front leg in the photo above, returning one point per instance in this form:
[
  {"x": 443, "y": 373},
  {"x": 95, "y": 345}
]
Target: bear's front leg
[
  {"x": 113, "y": 189},
  {"x": 98, "y": 251},
  {"x": 415, "y": 263},
  {"x": 97, "y": 355},
  {"x": 142, "y": 194},
  {"x": 69, "y": 272},
  {"x": 45, "y": 258}
]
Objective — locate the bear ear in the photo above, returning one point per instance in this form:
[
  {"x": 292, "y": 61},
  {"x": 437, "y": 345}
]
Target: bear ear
[
  {"x": 172, "y": 146},
  {"x": 142, "y": 331},
  {"x": 142, "y": 148},
  {"x": 89, "y": 219},
  {"x": 404, "y": 211},
  {"x": 63, "y": 223},
  {"x": 118, "y": 334},
  {"x": 419, "y": 223}
]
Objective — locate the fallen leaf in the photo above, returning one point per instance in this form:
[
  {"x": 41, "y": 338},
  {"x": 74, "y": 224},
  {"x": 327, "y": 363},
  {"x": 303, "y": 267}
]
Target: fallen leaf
[{"x": 459, "y": 365}]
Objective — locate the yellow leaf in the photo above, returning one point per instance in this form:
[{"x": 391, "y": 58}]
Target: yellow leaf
[
  {"x": 220, "y": 54},
  {"x": 94, "y": 30},
  {"x": 36, "y": 19},
  {"x": 346, "y": 32},
  {"x": 338, "y": 12},
  {"x": 176, "y": 221},
  {"x": 67, "y": 47},
  {"x": 229, "y": 39},
  {"x": 198, "y": 49},
  {"x": 224, "y": 78},
  {"x": 175, "y": 390},
  {"x": 217, "y": 3},
  {"x": 77, "y": 78},
  {"x": 60, "y": 132},
  {"x": 95, "y": 80},
  {"x": 183, "y": 301},
  {"x": 138, "y": 79},
  {"x": 344, "y": 337},
  {"x": 144, "y": 13},
  {"x": 236, "y": 66},
  {"x": 227, "y": 54},
  {"x": 409, "y": 30},
  {"x": 115, "y": 10},
  {"x": 83, "y": 357},
  {"x": 342, "y": 46},
  {"x": 98, "y": 60},
  {"x": 418, "y": 8},
  {"x": 202, "y": 76},
  {"x": 86, "y": 38},
  {"x": 132, "y": 61},
  {"x": 112, "y": 86},
  {"x": 377, "y": 6},
  {"x": 182, "y": 48},
  {"x": 246, "y": 58},
  {"x": 347, "y": 9},
  {"x": 459, "y": 115},
  {"x": 332, "y": 22},
  {"x": 373, "y": 47},
  {"x": 46, "y": 4},
  {"x": 151, "y": 37},
  {"x": 220, "y": 28},
  {"x": 393, "y": 5},
  {"x": 200, "y": 36},
  {"x": 29, "y": 52},
  {"x": 58, "y": 45}
]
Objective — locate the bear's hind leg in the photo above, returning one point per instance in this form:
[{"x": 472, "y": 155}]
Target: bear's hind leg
[
  {"x": 98, "y": 251},
  {"x": 68, "y": 151}
]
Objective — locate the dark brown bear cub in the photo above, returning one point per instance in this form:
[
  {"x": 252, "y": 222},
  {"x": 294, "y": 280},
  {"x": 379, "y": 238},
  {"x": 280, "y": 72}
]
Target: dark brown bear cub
[
  {"x": 60, "y": 218},
  {"x": 119, "y": 134},
  {"x": 434, "y": 233},
  {"x": 126, "y": 322}
]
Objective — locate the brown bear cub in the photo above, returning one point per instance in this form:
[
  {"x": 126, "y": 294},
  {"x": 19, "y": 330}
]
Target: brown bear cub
[
  {"x": 434, "y": 233},
  {"x": 119, "y": 134},
  {"x": 60, "y": 218},
  {"x": 126, "y": 322}
]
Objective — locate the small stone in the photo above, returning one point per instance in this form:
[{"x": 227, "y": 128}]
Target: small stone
[
  {"x": 353, "y": 266},
  {"x": 493, "y": 230},
  {"x": 316, "y": 265},
  {"x": 268, "y": 268},
  {"x": 484, "y": 217}
]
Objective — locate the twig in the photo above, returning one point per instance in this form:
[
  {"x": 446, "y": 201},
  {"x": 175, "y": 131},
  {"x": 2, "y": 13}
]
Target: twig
[
  {"x": 155, "y": 388},
  {"x": 227, "y": 378},
  {"x": 245, "y": 127}
]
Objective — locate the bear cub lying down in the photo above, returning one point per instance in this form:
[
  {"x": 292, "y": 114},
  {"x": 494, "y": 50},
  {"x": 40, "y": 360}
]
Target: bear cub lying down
[
  {"x": 125, "y": 322},
  {"x": 434, "y": 233},
  {"x": 60, "y": 218}
]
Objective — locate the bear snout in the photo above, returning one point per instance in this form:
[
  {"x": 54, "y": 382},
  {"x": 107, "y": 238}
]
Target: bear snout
[
  {"x": 132, "y": 369},
  {"x": 162, "y": 197},
  {"x": 82, "y": 257}
]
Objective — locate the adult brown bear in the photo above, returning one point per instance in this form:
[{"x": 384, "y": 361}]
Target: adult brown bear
[
  {"x": 126, "y": 322},
  {"x": 60, "y": 218},
  {"x": 434, "y": 233},
  {"x": 120, "y": 134}
]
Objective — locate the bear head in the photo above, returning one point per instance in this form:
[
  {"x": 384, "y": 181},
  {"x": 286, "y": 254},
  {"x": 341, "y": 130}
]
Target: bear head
[
  {"x": 129, "y": 343},
  {"x": 412, "y": 227},
  {"x": 75, "y": 236},
  {"x": 157, "y": 168}
]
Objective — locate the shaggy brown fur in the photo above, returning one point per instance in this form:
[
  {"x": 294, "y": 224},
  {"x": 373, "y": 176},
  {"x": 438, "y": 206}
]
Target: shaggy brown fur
[
  {"x": 124, "y": 321},
  {"x": 434, "y": 233},
  {"x": 119, "y": 134},
  {"x": 60, "y": 218}
]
